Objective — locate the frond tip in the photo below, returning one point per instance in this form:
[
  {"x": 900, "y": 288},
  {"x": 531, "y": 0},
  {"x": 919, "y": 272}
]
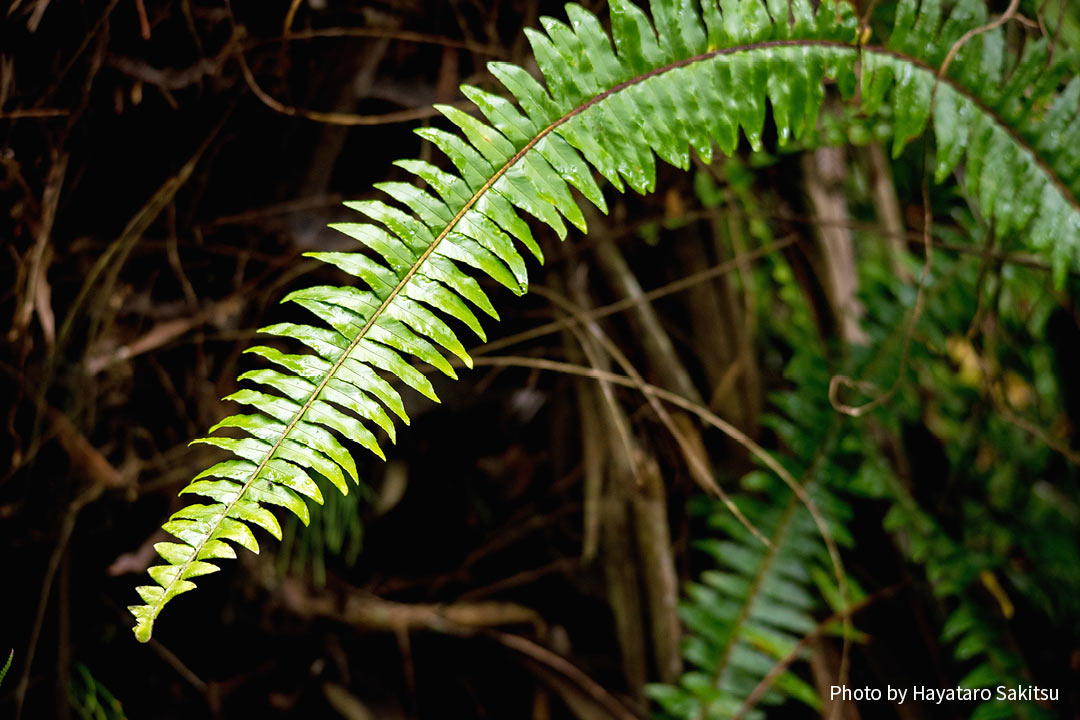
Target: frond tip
[
  {"x": 685, "y": 81},
  {"x": 7, "y": 665}
]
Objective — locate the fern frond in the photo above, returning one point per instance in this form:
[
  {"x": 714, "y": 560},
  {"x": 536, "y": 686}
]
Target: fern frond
[
  {"x": 688, "y": 80},
  {"x": 751, "y": 613},
  {"x": 748, "y": 614},
  {"x": 7, "y": 666}
]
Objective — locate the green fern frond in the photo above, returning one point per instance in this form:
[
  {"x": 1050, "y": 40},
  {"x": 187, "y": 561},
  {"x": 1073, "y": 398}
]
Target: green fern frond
[
  {"x": 7, "y": 666},
  {"x": 688, "y": 80},
  {"x": 748, "y": 614},
  {"x": 751, "y": 613}
]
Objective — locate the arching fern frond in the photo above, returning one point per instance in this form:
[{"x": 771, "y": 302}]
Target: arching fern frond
[{"x": 689, "y": 80}]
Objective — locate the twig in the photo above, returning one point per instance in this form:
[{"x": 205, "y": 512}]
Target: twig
[
  {"x": 35, "y": 295},
  {"x": 170, "y": 78},
  {"x": 864, "y": 21},
  {"x": 654, "y": 338},
  {"x": 290, "y": 15},
  {"x": 1039, "y": 434},
  {"x": 1005, "y": 17},
  {"x": 1057, "y": 30},
  {"x": 178, "y": 665},
  {"x": 85, "y": 456},
  {"x": 35, "y": 17},
  {"x": 282, "y": 208},
  {"x": 766, "y": 682},
  {"x": 560, "y": 566},
  {"x": 520, "y": 525},
  {"x": 403, "y": 35},
  {"x": 144, "y": 22},
  {"x": 335, "y": 118},
  {"x": 163, "y": 333},
  {"x": 567, "y": 669},
  {"x": 33, "y": 113},
  {"x": 593, "y": 467},
  {"x": 369, "y": 612},
  {"x": 618, "y": 418},
  {"x": 1001, "y": 403}
]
